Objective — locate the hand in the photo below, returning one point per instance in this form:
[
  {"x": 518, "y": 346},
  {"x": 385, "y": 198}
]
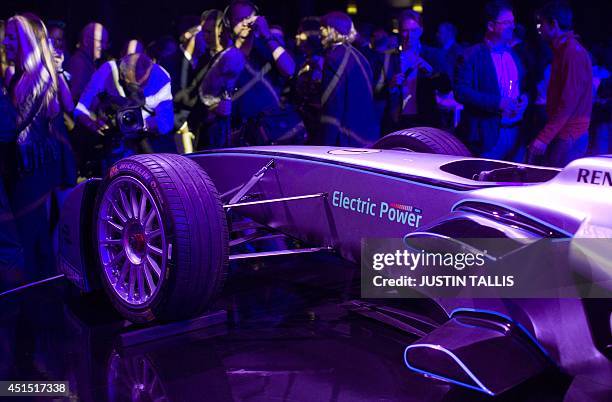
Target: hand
[
  {"x": 520, "y": 106},
  {"x": 244, "y": 27},
  {"x": 96, "y": 126},
  {"x": 537, "y": 148},
  {"x": 522, "y": 103},
  {"x": 424, "y": 66},
  {"x": 507, "y": 105},
  {"x": 262, "y": 28},
  {"x": 535, "y": 152},
  {"x": 58, "y": 60}
]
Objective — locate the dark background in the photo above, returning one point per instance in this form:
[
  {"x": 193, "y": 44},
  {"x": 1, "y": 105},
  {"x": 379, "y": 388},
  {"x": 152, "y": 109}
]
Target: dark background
[{"x": 150, "y": 19}]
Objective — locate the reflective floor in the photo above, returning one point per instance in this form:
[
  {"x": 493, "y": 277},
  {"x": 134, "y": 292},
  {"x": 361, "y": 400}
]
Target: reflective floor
[{"x": 287, "y": 339}]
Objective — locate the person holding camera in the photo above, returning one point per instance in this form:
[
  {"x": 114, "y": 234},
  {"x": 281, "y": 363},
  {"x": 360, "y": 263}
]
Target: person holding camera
[
  {"x": 257, "y": 109},
  {"x": 191, "y": 119},
  {"x": 125, "y": 102},
  {"x": 414, "y": 76}
]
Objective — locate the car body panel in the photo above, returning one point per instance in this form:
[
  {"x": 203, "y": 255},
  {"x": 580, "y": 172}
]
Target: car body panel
[
  {"x": 325, "y": 221},
  {"x": 413, "y": 183}
]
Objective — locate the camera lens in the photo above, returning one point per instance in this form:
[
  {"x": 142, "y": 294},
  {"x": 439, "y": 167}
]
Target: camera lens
[{"x": 128, "y": 118}]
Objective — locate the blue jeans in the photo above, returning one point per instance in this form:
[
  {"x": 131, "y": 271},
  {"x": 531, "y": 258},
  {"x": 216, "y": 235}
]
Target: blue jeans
[{"x": 560, "y": 152}]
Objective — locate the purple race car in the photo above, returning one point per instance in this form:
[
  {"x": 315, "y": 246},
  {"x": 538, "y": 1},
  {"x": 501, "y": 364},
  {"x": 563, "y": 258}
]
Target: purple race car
[{"x": 158, "y": 232}]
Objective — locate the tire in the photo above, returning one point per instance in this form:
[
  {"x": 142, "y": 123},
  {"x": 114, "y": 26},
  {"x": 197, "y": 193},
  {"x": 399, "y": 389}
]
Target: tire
[
  {"x": 164, "y": 258},
  {"x": 423, "y": 140}
]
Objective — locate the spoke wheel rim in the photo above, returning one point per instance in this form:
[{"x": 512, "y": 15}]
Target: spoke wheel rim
[
  {"x": 134, "y": 378},
  {"x": 132, "y": 245}
]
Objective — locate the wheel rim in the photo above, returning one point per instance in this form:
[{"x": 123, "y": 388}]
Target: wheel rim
[
  {"x": 132, "y": 244},
  {"x": 135, "y": 379}
]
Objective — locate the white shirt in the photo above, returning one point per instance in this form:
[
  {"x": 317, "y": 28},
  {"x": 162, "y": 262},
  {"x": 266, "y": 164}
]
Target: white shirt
[{"x": 507, "y": 73}]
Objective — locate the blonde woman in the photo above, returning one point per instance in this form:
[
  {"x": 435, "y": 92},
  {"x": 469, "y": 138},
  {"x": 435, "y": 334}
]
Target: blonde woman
[{"x": 40, "y": 148}]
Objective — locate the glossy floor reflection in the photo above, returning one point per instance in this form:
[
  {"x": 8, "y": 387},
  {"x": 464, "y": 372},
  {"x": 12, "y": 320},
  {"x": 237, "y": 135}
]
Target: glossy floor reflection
[{"x": 287, "y": 339}]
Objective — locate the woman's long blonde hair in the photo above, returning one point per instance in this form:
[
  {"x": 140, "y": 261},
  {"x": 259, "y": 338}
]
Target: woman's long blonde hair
[{"x": 36, "y": 88}]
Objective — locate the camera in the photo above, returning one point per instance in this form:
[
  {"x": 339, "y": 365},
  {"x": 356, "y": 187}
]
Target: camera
[{"x": 124, "y": 114}]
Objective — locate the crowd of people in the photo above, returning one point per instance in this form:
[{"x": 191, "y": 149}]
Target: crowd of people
[{"x": 233, "y": 79}]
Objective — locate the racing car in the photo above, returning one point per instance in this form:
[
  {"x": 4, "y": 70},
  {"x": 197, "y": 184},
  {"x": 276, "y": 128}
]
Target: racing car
[{"x": 158, "y": 232}]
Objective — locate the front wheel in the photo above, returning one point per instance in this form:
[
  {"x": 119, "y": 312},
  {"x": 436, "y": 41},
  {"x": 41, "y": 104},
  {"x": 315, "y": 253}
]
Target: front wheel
[
  {"x": 161, "y": 238},
  {"x": 424, "y": 140}
]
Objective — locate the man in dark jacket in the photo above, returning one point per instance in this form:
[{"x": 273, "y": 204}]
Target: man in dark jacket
[
  {"x": 489, "y": 83},
  {"x": 415, "y": 72}
]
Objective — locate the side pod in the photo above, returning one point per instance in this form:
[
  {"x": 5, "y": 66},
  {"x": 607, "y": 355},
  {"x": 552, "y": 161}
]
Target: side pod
[
  {"x": 484, "y": 353},
  {"x": 75, "y": 241}
]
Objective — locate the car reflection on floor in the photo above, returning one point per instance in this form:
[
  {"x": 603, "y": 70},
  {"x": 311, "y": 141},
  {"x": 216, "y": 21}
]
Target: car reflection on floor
[{"x": 287, "y": 338}]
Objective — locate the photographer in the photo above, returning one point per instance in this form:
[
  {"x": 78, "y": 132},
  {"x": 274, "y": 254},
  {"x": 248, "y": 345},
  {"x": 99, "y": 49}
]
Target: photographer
[
  {"x": 258, "y": 112},
  {"x": 208, "y": 43},
  {"x": 125, "y": 102}
]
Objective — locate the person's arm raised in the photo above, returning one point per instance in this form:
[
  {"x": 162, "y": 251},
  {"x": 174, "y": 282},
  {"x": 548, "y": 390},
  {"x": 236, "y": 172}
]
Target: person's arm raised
[{"x": 282, "y": 58}]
